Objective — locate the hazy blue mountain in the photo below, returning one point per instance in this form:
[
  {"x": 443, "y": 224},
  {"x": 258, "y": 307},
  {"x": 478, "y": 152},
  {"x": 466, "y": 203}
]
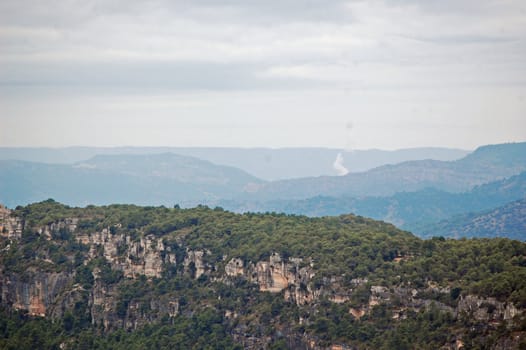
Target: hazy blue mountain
[
  {"x": 486, "y": 164},
  {"x": 505, "y": 221},
  {"x": 409, "y": 210},
  {"x": 147, "y": 179},
  {"x": 264, "y": 163},
  {"x": 408, "y": 194},
  {"x": 288, "y": 163}
]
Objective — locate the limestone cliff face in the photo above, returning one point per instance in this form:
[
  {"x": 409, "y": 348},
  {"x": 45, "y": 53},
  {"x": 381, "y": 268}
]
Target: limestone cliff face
[
  {"x": 38, "y": 293},
  {"x": 487, "y": 309},
  {"x": 193, "y": 263},
  {"x": 69, "y": 224},
  {"x": 144, "y": 256},
  {"x": 277, "y": 275},
  {"x": 234, "y": 268},
  {"x": 107, "y": 310},
  {"x": 286, "y": 276},
  {"x": 52, "y": 293},
  {"x": 274, "y": 275}
]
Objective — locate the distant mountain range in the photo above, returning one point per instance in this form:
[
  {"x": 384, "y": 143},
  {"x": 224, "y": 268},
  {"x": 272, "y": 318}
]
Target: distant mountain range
[
  {"x": 486, "y": 164},
  {"x": 264, "y": 163},
  {"x": 505, "y": 221},
  {"x": 145, "y": 179},
  {"x": 408, "y": 210},
  {"x": 412, "y": 194}
]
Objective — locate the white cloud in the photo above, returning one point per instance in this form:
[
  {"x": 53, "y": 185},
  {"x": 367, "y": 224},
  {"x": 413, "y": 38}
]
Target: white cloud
[{"x": 376, "y": 62}]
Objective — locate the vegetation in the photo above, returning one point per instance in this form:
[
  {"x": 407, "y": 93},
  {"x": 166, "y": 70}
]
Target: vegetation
[
  {"x": 230, "y": 312},
  {"x": 505, "y": 221},
  {"x": 420, "y": 211},
  {"x": 202, "y": 331}
]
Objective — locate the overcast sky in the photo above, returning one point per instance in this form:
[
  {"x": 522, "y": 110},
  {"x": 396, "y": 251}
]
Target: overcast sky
[{"x": 274, "y": 73}]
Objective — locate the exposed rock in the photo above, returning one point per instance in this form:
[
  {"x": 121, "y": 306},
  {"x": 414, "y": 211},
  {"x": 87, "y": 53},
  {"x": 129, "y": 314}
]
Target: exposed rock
[
  {"x": 359, "y": 281},
  {"x": 272, "y": 276},
  {"x": 487, "y": 309},
  {"x": 379, "y": 294},
  {"x": 35, "y": 293},
  {"x": 277, "y": 275},
  {"x": 339, "y": 299},
  {"x": 230, "y": 314},
  {"x": 102, "y": 304},
  {"x": 144, "y": 256},
  {"x": 234, "y": 267},
  {"x": 193, "y": 263},
  {"x": 52, "y": 294},
  {"x": 67, "y": 300},
  {"x": 357, "y": 313},
  {"x": 10, "y": 226},
  {"x": 68, "y": 224}
]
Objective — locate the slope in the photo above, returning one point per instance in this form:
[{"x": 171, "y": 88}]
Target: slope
[
  {"x": 505, "y": 221},
  {"x": 129, "y": 277},
  {"x": 144, "y": 179},
  {"x": 486, "y": 164},
  {"x": 409, "y": 210},
  {"x": 265, "y": 163}
]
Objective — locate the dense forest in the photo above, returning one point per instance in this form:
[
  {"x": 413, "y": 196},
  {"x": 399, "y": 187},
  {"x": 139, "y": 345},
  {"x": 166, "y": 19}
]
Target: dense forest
[{"x": 124, "y": 276}]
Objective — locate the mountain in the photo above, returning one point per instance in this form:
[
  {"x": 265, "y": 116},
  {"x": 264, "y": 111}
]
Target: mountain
[
  {"x": 404, "y": 194},
  {"x": 171, "y": 166},
  {"x": 144, "y": 179},
  {"x": 408, "y": 210},
  {"x": 486, "y": 164},
  {"x": 129, "y": 277},
  {"x": 264, "y": 163},
  {"x": 505, "y": 221}
]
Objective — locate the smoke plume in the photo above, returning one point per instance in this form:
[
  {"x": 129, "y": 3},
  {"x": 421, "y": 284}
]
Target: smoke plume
[{"x": 338, "y": 165}]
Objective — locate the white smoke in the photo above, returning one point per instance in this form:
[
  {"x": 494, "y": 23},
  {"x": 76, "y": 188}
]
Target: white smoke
[{"x": 338, "y": 165}]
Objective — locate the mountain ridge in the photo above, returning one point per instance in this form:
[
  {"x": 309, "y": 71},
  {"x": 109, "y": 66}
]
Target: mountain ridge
[
  {"x": 104, "y": 180},
  {"x": 508, "y": 220},
  {"x": 479, "y": 167},
  {"x": 265, "y": 163},
  {"x": 408, "y": 210}
]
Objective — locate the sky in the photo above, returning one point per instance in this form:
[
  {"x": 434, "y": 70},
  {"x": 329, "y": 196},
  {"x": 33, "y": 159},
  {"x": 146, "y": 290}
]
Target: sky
[{"x": 277, "y": 73}]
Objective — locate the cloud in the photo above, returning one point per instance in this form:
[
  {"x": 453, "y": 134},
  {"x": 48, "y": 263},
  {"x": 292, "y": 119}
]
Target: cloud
[
  {"x": 387, "y": 64},
  {"x": 365, "y": 43}
]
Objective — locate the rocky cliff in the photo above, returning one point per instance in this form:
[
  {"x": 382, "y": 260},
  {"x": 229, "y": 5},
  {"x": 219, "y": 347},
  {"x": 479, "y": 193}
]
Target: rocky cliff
[{"x": 113, "y": 276}]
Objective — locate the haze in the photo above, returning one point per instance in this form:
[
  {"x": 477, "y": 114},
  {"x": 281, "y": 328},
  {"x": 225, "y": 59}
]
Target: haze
[{"x": 340, "y": 74}]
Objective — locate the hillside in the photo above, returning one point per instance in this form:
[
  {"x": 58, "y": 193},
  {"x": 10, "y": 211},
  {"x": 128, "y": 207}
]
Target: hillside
[
  {"x": 505, "y": 221},
  {"x": 408, "y": 210},
  {"x": 142, "y": 179},
  {"x": 486, "y": 164},
  {"x": 265, "y": 163},
  {"x": 167, "y": 178},
  {"x": 128, "y": 277}
]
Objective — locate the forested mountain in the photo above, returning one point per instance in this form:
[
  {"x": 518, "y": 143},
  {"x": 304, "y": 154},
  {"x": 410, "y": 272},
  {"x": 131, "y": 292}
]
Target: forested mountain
[
  {"x": 264, "y": 163},
  {"x": 486, "y": 164},
  {"x": 129, "y": 277},
  {"x": 505, "y": 221},
  {"x": 141, "y": 179}
]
